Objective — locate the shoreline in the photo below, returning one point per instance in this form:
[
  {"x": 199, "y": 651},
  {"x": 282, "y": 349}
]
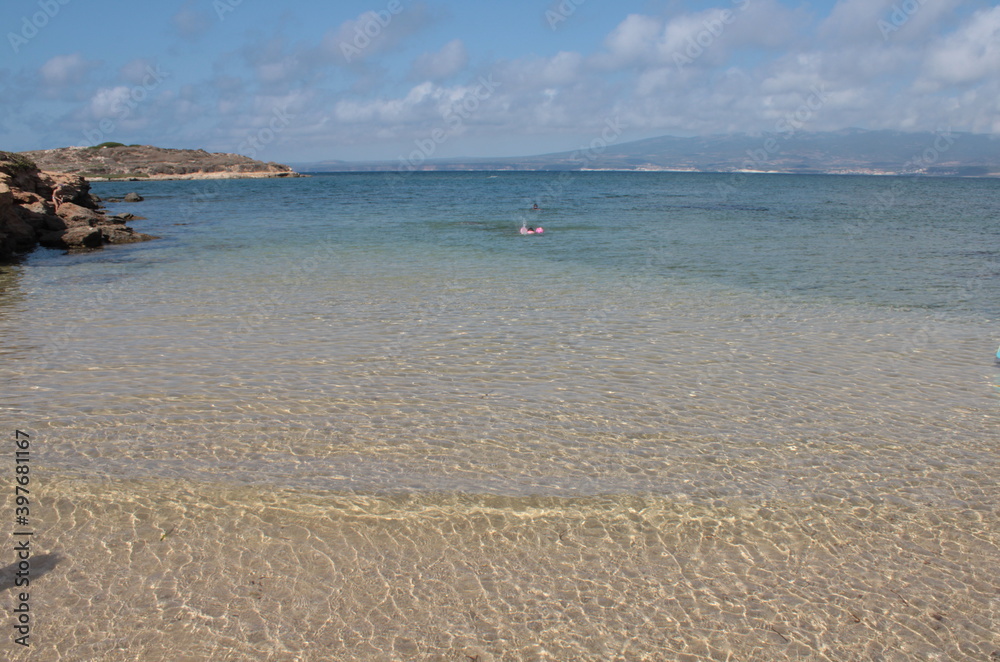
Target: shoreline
[
  {"x": 201, "y": 176},
  {"x": 54, "y": 210},
  {"x": 361, "y": 170}
]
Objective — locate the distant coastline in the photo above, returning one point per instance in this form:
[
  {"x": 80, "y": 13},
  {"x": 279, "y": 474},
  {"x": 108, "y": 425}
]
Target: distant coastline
[
  {"x": 388, "y": 169},
  {"x": 845, "y": 152}
]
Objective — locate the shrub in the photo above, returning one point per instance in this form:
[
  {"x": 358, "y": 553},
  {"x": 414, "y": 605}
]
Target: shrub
[{"x": 15, "y": 162}]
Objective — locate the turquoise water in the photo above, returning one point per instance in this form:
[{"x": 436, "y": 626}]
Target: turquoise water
[
  {"x": 887, "y": 241},
  {"x": 691, "y": 392},
  {"x": 366, "y": 312}
]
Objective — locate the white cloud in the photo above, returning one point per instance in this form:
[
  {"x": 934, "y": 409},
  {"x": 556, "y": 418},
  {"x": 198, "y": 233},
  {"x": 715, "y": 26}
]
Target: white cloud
[
  {"x": 138, "y": 71},
  {"x": 921, "y": 23},
  {"x": 273, "y": 72},
  {"x": 108, "y": 101},
  {"x": 276, "y": 63},
  {"x": 564, "y": 68},
  {"x": 65, "y": 69},
  {"x": 792, "y": 74},
  {"x": 706, "y": 38},
  {"x": 768, "y": 25},
  {"x": 697, "y": 33},
  {"x": 447, "y": 62},
  {"x": 749, "y": 69},
  {"x": 373, "y": 32},
  {"x": 969, "y": 54},
  {"x": 631, "y": 41},
  {"x": 401, "y": 110},
  {"x": 853, "y": 21}
]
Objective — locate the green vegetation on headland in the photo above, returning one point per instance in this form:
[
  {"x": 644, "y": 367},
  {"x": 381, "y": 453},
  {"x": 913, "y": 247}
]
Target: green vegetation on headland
[{"x": 17, "y": 162}]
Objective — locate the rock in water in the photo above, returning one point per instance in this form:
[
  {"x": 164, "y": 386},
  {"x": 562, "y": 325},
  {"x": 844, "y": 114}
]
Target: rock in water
[
  {"x": 75, "y": 215},
  {"x": 133, "y": 197},
  {"x": 82, "y": 237},
  {"x": 51, "y": 209}
]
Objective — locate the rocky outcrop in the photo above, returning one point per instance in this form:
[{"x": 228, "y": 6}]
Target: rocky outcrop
[
  {"x": 145, "y": 162},
  {"x": 52, "y": 209}
]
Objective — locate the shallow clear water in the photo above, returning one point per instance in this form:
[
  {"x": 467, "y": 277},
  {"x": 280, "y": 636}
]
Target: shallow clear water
[{"x": 729, "y": 417}]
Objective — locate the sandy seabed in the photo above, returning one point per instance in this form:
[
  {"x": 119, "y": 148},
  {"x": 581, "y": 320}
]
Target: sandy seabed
[{"x": 165, "y": 570}]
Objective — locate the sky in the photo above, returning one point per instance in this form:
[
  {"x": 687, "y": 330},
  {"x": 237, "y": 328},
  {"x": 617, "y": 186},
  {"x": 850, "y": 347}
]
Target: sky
[{"x": 357, "y": 80}]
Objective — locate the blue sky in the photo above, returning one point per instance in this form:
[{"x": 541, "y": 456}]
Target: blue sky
[{"x": 379, "y": 79}]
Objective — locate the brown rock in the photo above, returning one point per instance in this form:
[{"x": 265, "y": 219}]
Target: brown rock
[
  {"x": 19, "y": 235},
  {"x": 82, "y": 237},
  {"x": 122, "y": 235},
  {"x": 74, "y": 215},
  {"x": 68, "y": 188},
  {"x": 6, "y": 195},
  {"x": 55, "y": 210},
  {"x": 12, "y": 229},
  {"x": 51, "y": 239},
  {"x": 22, "y": 197},
  {"x": 44, "y": 208},
  {"x": 41, "y": 222},
  {"x": 114, "y": 221}
]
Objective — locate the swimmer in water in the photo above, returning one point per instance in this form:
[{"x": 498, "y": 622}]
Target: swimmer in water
[{"x": 535, "y": 207}]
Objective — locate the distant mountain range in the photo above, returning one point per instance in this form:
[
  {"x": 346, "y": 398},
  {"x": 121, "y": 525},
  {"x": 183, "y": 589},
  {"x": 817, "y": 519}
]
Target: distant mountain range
[{"x": 850, "y": 151}]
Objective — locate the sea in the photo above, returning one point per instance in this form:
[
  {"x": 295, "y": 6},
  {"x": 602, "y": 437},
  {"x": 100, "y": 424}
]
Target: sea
[{"x": 361, "y": 416}]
